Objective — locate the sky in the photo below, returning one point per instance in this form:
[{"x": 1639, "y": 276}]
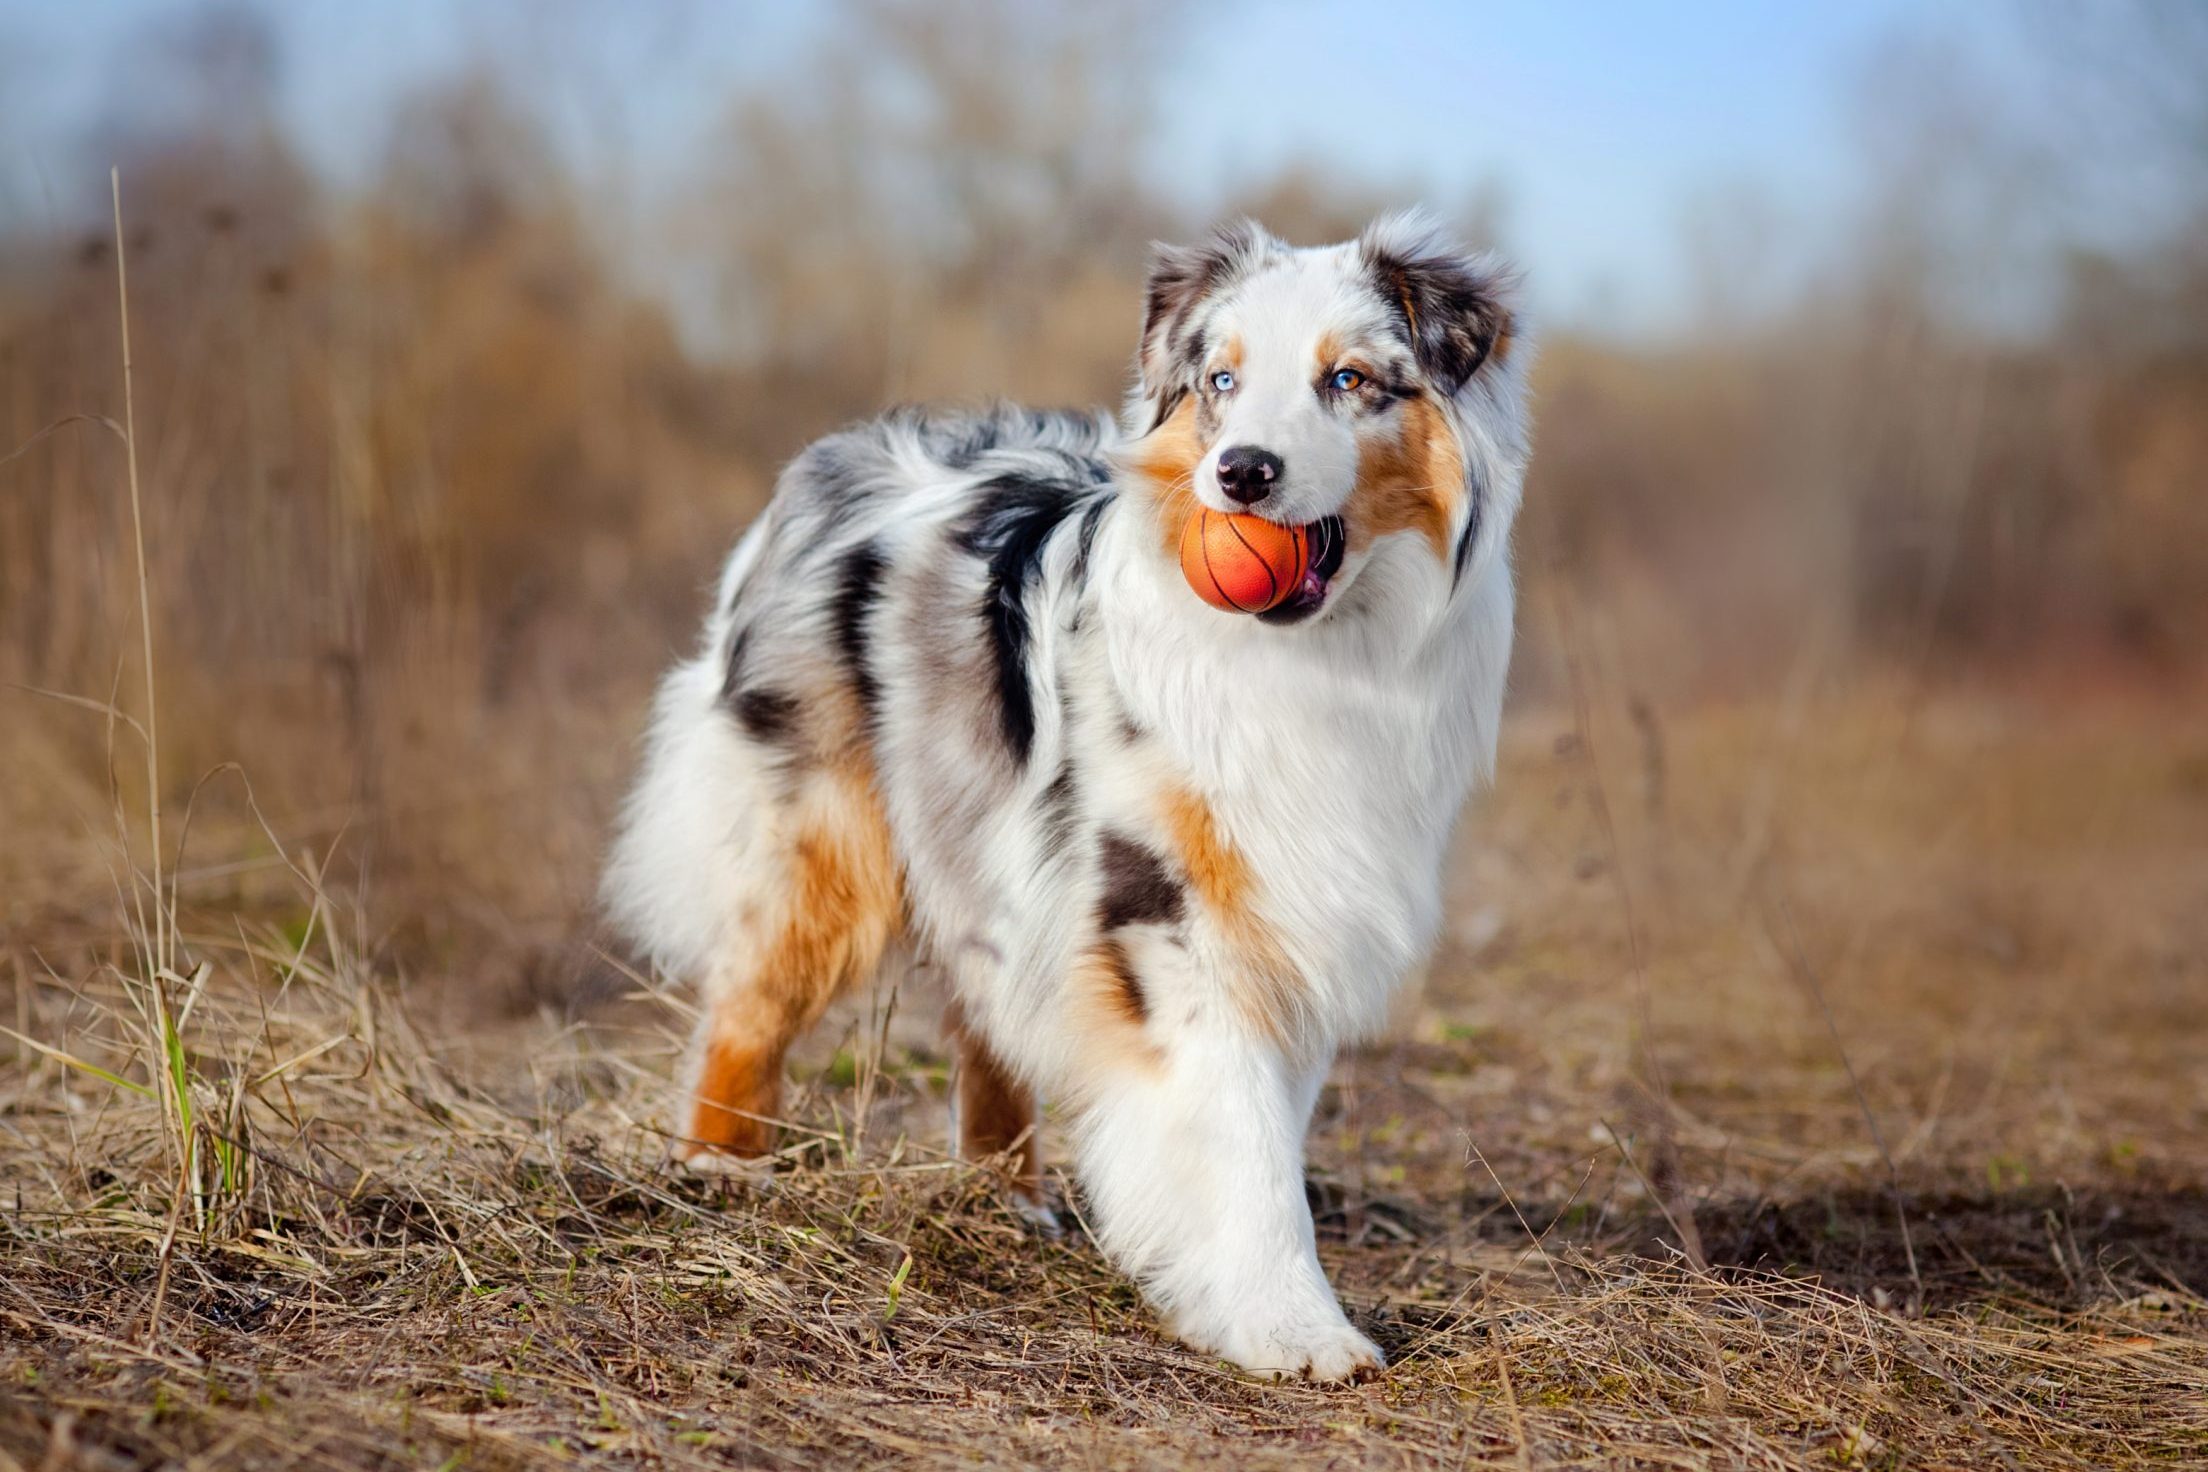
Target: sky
[{"x": 1599, "y": 121}]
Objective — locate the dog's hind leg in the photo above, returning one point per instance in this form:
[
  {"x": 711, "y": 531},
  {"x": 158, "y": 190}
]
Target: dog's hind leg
[
  {"x": 822, "y": 912},
  {"x": 992, "y": 1113}
]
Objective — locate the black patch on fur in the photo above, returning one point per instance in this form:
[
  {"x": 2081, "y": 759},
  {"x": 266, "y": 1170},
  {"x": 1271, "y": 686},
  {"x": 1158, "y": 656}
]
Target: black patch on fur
[
  {"x": 769, "y": 717},
  {"x": 1138, "y": 889},
  {"x": 1009, "y": 530},
  {"x": 960, "y": 444},
  {"x": 1057, "y": 810},
  {"x": 1471, "y": 533},
  {"x": 1091, "y": 519},
  {"x": 858, "y": 591},
  {"x": 1450, "y": 313}
]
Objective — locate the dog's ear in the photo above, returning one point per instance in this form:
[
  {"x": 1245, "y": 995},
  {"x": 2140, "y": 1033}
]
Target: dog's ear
[
  {"x": 1455, "y": 306},
  {"x": 1182, "y": 279}
]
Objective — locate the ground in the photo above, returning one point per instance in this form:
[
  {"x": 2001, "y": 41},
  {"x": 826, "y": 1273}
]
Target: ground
[{"x": 1800, "y": 1083}]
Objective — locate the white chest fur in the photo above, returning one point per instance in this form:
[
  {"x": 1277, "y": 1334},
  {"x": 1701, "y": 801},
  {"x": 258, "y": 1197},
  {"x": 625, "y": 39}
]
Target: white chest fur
[{"x": 1334, "y": 757}]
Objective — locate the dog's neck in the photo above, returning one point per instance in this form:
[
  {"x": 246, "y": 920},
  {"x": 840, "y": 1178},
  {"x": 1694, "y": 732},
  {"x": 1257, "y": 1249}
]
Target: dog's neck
[{"x": 1405, "y": 663}]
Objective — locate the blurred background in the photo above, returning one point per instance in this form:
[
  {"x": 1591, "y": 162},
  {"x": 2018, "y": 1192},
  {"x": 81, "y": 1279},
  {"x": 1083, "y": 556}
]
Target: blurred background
[{"x": 1871, "y": 483}]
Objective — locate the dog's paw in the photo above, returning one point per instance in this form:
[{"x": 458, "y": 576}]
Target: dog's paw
[
  {"x": 703, "y": 1162},
  {"x": 1319, "y": 1351},
  {"x": 1034, "y": 1209},
  {"x": 1323, "y": 1357}
]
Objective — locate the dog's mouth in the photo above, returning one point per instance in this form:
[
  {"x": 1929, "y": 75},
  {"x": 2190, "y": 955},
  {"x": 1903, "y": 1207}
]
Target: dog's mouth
[{"x": 1329, "y": 540}]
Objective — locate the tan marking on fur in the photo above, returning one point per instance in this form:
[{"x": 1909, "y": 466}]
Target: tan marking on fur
[
  {"x": 1165, "y": 460},
  {"x": 1505, "y": 333},
  {"x": 843, "y": 902},
  {"x": 1411, "y": 482},
  {"x": 1265, "y": 986},
  {"x": 1126, "y": 998},
  {"x": 739, "y": 1092},
  {"x": 1115, "y": 1034},
  {"x": 1230, "y": 353},
  {"x": 1218, "y": 874},
  {"x": 996, "y": 1112}
]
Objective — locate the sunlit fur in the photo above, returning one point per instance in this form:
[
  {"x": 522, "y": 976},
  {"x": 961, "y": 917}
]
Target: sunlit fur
[{"x": 955, "y": 695}]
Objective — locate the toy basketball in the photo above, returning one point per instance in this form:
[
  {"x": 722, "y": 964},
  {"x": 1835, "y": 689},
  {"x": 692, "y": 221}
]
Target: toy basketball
[{"x": 1242, "y": 564}]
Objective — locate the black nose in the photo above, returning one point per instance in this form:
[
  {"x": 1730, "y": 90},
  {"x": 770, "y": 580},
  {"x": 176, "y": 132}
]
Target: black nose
[{"x": 1247, "y": 473}]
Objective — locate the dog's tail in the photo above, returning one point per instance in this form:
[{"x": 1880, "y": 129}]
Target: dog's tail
[{"x": 683, "y": 846}]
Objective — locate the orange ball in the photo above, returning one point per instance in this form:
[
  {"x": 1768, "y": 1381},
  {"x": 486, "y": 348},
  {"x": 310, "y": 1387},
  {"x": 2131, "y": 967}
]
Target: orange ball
[{"x": 1242, "y": 564}]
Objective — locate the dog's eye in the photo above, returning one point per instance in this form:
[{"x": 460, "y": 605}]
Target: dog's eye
[
  {"x": 1222, "y": 382},
  {"x": 1346, "y": 381}
]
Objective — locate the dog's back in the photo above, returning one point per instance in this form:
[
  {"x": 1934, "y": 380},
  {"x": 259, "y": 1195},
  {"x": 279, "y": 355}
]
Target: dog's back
[{"x": 884, "y": 604}]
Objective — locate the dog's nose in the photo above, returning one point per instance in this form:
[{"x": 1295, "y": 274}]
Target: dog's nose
[{"x": 1247, "y": 473}]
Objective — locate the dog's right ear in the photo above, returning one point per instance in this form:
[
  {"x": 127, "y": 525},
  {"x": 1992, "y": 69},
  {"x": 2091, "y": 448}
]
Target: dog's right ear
[{"x": 1182, "y": 279}]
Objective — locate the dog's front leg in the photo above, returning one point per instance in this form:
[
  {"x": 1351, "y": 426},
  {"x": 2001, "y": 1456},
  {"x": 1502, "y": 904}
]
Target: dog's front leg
[{"x": 1194, "y": 1163}]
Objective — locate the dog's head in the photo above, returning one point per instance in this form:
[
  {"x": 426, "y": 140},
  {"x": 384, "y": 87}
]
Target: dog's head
[{"x": 1368, "y": 389}]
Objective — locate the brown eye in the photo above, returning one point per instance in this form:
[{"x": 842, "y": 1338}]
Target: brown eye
[{"x": 1346, "y": 381}]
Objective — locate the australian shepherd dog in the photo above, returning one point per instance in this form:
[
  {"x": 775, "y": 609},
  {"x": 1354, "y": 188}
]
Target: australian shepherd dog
[{"x": 956, "y": 695}]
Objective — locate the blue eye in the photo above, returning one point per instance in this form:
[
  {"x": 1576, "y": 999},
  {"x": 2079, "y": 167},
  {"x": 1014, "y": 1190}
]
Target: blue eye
[
  {"x": 1346, "y": 381},
  {"x": 1222, "y": 382}
]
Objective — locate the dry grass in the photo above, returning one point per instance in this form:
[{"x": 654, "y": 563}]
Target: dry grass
[{"x": 384, "y": 1252}]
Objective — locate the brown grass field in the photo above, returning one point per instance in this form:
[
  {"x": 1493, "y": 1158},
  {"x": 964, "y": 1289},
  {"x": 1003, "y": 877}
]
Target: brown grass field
[
  {"x": 1814, "y": 1069},
  {"x": 1607, "y": 1195}
]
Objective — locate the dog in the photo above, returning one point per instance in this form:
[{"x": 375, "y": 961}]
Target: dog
[{"x": 954, "y": 694}]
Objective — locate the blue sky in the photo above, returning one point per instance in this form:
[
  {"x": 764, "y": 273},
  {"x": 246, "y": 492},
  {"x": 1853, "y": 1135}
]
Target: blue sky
[{"x": 1599, "y": 121}]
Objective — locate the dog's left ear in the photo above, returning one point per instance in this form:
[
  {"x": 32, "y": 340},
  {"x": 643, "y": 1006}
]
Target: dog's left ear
[{"x": 1456, "y": 305}]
